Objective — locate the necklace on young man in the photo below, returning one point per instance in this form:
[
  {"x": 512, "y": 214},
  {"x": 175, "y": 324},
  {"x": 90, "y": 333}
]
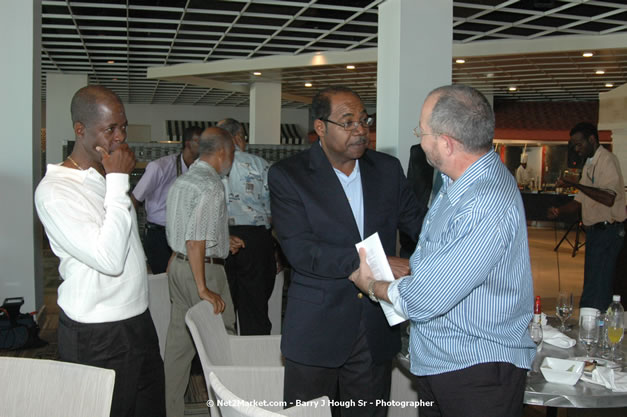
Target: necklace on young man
[{"x": 74, "y": 162}]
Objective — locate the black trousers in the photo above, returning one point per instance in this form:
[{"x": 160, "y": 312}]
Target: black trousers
[
  {"x": 356, "y": 389},
  {"x": 130, "y": 347},
  {"x": 156, "y": 247},
  {"x": 603, "y": 245},
  {"x": 493, "y": 389},
  {"x": 251, "y": 273}
]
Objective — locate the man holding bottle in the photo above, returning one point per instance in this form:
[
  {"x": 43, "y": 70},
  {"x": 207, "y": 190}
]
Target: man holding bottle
[{"x": 602, "y": 203}]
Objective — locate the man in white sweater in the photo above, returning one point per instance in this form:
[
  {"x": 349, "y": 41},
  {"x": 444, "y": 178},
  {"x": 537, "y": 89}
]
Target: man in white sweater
[{"x": 87, "y": 213}]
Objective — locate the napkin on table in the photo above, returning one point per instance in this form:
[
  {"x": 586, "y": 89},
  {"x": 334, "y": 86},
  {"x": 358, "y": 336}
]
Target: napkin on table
[
  {"x": 609, "y": 378},
  {"x": 554, "y": 337}
]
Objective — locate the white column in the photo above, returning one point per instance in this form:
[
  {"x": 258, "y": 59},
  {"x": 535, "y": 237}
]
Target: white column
[
  {"x": 20, "y": 158},
  {"x": 414, "y": 56},
  {"x": 490, "y": 99},
  {"x": 60, "y": 89},
  {"x": 265, "y": 113},
  {"x": 612, "y": 117}
]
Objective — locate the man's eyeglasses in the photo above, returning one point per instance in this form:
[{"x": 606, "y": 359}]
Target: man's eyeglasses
[
  {"x": 367, "y": 122},
  {"x": 420, "y": 134}
]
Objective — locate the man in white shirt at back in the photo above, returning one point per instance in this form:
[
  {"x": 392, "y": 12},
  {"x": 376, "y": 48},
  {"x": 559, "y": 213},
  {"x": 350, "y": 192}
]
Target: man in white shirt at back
[
  {"x": 86, "y": 211},
  {"x": 523, "y": 174}
]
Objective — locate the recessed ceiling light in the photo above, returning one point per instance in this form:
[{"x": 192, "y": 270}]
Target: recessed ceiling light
[
  {"x": 460, "y": 61},
  {"x": 256, "y": 73},
  {"x": 111, "y": 62},
  {"x": 489, "y": 75},
  {"x": 350, "y": 67},
  {"x": 587, "y": 54},
  {"x": 308, "y": 84},
  {"x": 512, "y": 89},
  {"x": 609, "y": 85},
  {"x": 599, "y": 72}
]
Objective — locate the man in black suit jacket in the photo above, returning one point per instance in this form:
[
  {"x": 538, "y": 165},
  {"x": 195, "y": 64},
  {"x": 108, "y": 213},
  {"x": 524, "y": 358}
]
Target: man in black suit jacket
[
  {"x": 420, "y": 178},
  {"x": 324, "y": 200}
]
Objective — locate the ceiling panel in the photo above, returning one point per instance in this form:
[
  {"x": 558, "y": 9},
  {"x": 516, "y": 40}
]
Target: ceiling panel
[{"x": 115, "y": 41}]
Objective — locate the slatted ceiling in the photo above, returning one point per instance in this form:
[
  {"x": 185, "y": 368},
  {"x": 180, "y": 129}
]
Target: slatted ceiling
[{"x": 81, "y": 36}]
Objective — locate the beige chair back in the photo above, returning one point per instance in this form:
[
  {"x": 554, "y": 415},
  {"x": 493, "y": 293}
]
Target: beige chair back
[
  {"x": 209, "y": 334},
  {"x": 45, "y": 388}
]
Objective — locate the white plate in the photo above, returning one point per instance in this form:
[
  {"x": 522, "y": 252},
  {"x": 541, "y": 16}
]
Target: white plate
[{"x": 600, "y": 362}]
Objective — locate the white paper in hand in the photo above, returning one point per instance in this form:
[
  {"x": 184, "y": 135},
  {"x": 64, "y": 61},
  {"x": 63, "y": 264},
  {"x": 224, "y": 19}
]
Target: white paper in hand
[{"x": 378, "y": 263}]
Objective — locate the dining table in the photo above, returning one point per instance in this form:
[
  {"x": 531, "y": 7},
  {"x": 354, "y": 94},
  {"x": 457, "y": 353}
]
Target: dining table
[
  {"x": 540, "y": 392},
  {"x": 583, "y": 394}
]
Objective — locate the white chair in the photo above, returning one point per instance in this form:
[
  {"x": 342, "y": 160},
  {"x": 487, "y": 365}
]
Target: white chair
[
  {"x": 159, "y": 306},
  {"x": 45, "y": 388},
  {"x": 255, "y": 360},
  {"x": 403, "y": 389},
  {"x": 232, "y": 405}
]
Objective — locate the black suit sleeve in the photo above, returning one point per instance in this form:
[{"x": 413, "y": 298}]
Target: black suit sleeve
[
  {"x": 306, "y": 253},
  {"x": 420, "y": 178},
  {"x": 411, "y": 214}
]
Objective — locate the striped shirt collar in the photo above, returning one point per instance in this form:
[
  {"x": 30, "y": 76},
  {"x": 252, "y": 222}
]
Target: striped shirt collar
[{"x": 454, "y": 190}]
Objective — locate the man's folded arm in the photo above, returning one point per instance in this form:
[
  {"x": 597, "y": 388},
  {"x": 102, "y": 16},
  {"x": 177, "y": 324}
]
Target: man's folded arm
[{"x": 101, "y": 244}]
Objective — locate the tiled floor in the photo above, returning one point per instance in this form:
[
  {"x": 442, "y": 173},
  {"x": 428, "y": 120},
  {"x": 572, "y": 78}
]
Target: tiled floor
[{"x": 554, "y": 271}]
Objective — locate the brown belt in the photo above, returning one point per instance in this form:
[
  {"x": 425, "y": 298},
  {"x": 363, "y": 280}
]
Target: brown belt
[{"x": 208, "y": 260}]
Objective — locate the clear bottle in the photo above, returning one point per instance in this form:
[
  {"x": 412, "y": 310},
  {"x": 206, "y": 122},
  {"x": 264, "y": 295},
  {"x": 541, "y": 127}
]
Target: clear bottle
[
  {"x": 535, "y": 327},
  {"x": 537, "y": 310},
  {"x": 614, "y": 325}
]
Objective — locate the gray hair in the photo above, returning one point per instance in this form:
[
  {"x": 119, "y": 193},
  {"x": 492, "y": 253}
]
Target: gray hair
[
  {"x": 464, "y": 114},
  {"x": 214, "y": 139},
  {"x": 231, "y": 125}
]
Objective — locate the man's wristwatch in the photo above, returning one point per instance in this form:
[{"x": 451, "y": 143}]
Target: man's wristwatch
[{"x": 371, "y": 291}]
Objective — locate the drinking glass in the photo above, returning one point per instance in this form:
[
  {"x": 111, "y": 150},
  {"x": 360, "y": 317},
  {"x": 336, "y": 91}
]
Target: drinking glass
[
  {"x": 615, "y": 331},
  {"x": 535, "y": 331},
  {"x": 589, "y": 331},
  {"x": 564, "y": 309}
]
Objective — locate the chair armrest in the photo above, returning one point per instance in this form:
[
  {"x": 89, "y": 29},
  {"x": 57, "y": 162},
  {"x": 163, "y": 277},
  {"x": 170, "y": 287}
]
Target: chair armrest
[{"x": 256, "y": 350}]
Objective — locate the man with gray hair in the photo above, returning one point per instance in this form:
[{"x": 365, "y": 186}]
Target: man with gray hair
[
  {"x": 198, "y": 234},
  {"x": 470, "y": 293},
  {"x": 251, "y": 271}
]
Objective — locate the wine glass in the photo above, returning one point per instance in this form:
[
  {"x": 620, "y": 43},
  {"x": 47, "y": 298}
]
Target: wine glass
[
  {"x": 564, "y": 309},
  {"x": 589, "y": 331},
  {"x": 615, "y": 331}
]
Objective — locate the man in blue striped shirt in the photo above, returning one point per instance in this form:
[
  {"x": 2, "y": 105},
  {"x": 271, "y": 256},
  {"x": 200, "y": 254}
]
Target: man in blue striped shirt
[{"x": 470, "y": 293}]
